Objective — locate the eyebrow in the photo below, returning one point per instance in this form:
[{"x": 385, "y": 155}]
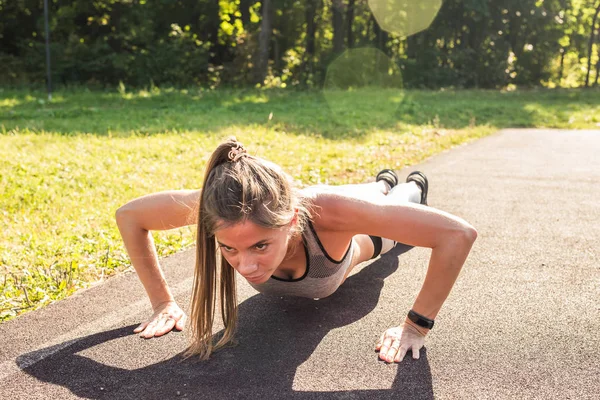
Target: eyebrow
[{"x": 264, "y": 241}]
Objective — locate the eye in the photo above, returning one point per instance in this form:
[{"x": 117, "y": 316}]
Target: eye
[
  {"x": 262, "y": 246},
  {"x": 226, "y": 249}
]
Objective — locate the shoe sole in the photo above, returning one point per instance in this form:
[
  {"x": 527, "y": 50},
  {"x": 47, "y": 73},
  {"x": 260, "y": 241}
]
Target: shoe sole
[{"x": 422, "y": 181}]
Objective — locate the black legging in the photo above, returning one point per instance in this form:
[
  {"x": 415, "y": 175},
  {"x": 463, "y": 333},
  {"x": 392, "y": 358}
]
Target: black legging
[{"x": 377, "y": 244}]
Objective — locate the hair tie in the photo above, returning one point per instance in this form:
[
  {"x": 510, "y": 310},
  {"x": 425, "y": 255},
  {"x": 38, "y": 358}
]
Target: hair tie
[{"x": 236, "y": 152}]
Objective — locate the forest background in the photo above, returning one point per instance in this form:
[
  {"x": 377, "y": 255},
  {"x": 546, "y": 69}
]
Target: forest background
[{"x": 290, "y": 43}]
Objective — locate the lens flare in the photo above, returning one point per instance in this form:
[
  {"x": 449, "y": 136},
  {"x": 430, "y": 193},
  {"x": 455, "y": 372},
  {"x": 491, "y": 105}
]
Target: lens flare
[
  {"x": 404, "y": 17},
  {"x": 363, "y": 85}
]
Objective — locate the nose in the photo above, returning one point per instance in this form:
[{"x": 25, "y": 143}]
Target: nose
[{"x": 247, "y": 266}]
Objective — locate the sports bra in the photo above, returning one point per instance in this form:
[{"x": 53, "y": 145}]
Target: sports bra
[{"x": 323, "y": 274}]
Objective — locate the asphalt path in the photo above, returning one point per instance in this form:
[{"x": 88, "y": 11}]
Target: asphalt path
[{"x": 522, "y": 321}]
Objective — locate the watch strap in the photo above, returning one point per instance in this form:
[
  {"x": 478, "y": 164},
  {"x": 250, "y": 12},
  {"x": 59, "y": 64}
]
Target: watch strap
[{"x": 420, "y": 320}]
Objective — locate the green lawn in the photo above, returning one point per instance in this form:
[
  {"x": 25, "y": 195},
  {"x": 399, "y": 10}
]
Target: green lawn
[{"x": 67, "y": 165}]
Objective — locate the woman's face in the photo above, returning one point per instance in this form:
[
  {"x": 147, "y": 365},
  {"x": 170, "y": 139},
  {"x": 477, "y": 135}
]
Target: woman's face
[{"x": 255, "y": 252}]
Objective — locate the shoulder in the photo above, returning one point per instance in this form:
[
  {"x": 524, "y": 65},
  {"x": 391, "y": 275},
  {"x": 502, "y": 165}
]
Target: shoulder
[
  {"x": 409, "y": 223},
  {"x": 162, "y": 210},
  {"x": 330, "y": 207}
]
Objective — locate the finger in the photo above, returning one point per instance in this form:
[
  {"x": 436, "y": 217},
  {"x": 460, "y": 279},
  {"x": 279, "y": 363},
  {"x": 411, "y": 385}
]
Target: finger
[
  {"x": 393, "y": 350},
  {"x": 416, "y": 352},
  {"x": 167, "y": 326},
  {"x": 401, "y": 354},
  {"x": 150, "y": 329},
  {"x": 146, "y": 329},
  {"x": 387, "y": 343},
  {"x": 141, "y": 327},
  {"x": 379, "y": 343},
  {"x": 160, "y": 326},
  {"x": 181, "y": 323}
]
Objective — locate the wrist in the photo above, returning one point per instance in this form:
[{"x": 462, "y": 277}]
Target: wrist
[
  {"x": 420, "y": 329},
  {"x": 420, "y": 322},
  {"x": 162, "y": 303}
]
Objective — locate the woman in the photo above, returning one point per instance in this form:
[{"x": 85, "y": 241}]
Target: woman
[{"x": 288, "y": 241}]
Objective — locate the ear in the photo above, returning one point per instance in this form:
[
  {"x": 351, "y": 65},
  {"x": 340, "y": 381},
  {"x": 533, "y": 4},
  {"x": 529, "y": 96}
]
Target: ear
[{"x": 294, "y": 220}]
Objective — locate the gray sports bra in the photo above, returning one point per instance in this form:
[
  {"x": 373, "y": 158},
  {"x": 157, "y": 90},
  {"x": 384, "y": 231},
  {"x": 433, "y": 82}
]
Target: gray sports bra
[{"x": 323, "y": 274}]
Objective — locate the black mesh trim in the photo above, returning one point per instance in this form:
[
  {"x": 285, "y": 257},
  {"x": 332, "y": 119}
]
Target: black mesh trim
[
  {"x": 310, "y": 225},
  {"x": 307, "y": 267}
]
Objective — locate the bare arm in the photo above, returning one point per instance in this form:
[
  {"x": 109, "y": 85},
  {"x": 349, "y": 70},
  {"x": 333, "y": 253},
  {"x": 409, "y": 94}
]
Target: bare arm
[
  {"x": 449, "y": 237},
  {"x": 157, "y": 211}
]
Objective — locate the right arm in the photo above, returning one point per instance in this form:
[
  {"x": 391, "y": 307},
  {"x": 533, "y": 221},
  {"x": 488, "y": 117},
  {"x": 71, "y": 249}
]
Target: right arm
[{"x": 157, "y": 211}]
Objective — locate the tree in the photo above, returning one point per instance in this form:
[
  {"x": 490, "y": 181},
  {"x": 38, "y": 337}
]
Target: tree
[
  {"x": 590, "y": 47},
  {"x": 470, "y": 43},
  {"x": 312, "y": 9},
  {"x": 598, "y": 61},
  {"x": 264, "y": 38},
  {"x": 350, "y": 23},
  {"x": 338, "y": 26}
]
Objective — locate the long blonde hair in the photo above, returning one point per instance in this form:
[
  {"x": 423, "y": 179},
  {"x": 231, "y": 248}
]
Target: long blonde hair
[{"x": 237, "y": 187}]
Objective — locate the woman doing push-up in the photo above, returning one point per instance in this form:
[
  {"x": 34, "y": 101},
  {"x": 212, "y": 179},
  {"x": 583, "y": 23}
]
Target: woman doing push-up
[{"x": 252, "y": 219}]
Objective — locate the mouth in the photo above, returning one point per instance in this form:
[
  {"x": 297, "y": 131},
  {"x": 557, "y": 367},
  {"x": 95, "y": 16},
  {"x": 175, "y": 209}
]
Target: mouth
[{"x": 255, "y": 278}]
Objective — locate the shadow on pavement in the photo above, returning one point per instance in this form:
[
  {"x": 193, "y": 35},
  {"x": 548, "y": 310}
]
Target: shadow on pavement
[{"x": 276, "y": 335}]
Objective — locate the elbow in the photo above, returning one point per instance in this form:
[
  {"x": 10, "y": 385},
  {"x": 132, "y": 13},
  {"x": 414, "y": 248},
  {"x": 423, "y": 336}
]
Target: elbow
[
  {"x": 464, "y": 237},
  {"x": 127, "y": 218},
  {"x": 470, "y": 234},
  {"x": 121, "y": 215}
]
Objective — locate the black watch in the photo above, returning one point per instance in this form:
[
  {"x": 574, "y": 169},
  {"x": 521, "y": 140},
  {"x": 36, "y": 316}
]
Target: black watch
[{"x": 420, "y": 320}]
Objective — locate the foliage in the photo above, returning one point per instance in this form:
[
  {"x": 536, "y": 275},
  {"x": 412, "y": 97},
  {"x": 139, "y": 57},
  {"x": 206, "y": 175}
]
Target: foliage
[
  {"x": 212, "y": 43},
  {"x": 104, "y": 42}
]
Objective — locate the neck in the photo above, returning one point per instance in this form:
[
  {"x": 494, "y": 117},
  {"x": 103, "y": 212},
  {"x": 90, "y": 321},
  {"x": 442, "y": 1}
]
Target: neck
[{"x": 293, "y": 246}]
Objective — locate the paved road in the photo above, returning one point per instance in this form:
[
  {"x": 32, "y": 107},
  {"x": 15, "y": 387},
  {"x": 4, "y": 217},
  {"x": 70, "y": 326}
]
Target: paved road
[{"x": 522, "y": 322}]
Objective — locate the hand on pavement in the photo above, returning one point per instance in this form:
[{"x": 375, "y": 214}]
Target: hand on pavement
[
  {"x": 395, "y": 342},
  {"x": 166, "y": 316}
]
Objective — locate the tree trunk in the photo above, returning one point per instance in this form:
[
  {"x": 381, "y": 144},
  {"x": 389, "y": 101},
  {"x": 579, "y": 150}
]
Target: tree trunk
[
  {"x": 598, "y": 62},
  {"x": 349, "y": 23},
  {"x": 338, "y": 26},
  {"x": 276, "y": 59},
  {"x": 562, "y": 65},
  {"x": 381, "y": 37},
  {"x": 216, "y": 50},
  {"x": 311, "y": 29},
  {"x": 514, "y": 36},
  {"x": 411, "y": 47},
  {"x": 264, "y": 38},
  {"x": 245, "y": 11},
  {"x": 590, "y": 46}
]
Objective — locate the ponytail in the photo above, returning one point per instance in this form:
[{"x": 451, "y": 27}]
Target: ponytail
[
  {"x": 205, "y": 279},
  {"x": 237, "y": 187}
]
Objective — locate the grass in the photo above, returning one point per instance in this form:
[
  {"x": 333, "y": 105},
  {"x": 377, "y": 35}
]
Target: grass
[{"x": 68, "y": 164}]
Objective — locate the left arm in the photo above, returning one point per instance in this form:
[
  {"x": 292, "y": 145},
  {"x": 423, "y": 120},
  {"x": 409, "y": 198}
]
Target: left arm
[
  {"x": 449, "y": 237},
  {"x": 445, "y": 264}
]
